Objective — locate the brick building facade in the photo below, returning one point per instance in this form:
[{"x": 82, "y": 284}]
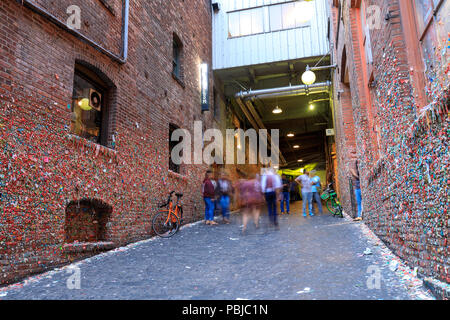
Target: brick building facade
[
  {"x": 391, "y": 106},
  {"x": 62, "y": 168}
]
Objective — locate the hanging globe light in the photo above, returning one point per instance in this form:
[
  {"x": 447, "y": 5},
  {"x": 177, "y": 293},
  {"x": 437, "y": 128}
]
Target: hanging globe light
[
  {"x": 84, "y": 104},
  {"x": 308, "y": 77}
]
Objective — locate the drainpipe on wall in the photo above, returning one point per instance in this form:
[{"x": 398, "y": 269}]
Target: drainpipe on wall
[{"x": 125, "y": 20}]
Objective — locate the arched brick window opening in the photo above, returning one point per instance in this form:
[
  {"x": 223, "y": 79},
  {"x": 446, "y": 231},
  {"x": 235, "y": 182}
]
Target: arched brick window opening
[
  {"x": 93, "y": 105},
  {"x": 86, "y": 221}
]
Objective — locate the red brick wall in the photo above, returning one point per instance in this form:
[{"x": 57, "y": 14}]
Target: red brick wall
[
  {"x": 43, "y": 168},
  {"x": 405, "y": 183},
  {"x": 345, "y": 145}
]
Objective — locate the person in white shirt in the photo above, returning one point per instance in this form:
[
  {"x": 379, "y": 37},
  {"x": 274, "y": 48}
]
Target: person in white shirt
[
  {"x": 306, "y": 183},
  {"x": 270, "y": 187}
]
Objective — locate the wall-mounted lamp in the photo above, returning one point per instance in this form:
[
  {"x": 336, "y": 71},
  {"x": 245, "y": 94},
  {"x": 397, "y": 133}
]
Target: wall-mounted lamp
[
  {"x": 216, "y": 7},
  {"x": 308, "y": 77}
]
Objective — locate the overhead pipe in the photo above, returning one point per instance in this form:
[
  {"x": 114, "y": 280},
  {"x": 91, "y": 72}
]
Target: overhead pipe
[
  {"x": 291, "y": 93},
  {"x": 298, "y": 90},
  {"x": 125, "y": 21},
  {"x": 334, "y": 66}
]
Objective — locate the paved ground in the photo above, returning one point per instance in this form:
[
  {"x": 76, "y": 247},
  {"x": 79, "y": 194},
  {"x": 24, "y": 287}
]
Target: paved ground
[{"x": 317, "y": 257}]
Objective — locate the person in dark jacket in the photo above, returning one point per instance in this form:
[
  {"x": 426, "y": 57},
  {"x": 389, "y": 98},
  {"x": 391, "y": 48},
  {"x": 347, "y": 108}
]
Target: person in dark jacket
[
  {"x": 208, "y": 196},
  {"x": 285, "y": 194}
]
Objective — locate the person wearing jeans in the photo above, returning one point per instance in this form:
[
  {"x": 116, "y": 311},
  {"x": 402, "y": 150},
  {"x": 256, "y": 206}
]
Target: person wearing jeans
[
  {"x": 270, "y": 186},
  {"x": 208, "y": 196},
  {"x": 357, "y": 188},
  {"x": 209, "y": 210},
  {"x": 225, "y": 189},
  {"x": 358, "y": 201},
  {"x": 306, "y": 183},
  {"x": 307, "y": 199},
  {"x": 316, "y": 187},
  {"x": 271, "y": 200},
  {"x": 285, "y": 194}
]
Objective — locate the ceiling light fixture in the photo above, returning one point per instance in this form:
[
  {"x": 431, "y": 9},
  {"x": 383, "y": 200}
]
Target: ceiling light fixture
[
  {"x": 296, "y": 146},
  {"x": 277, "y": 110},
  {"x": 290, "y": 135}
]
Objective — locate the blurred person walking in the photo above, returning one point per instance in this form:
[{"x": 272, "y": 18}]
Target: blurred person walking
[
  {"x": 225, "y": 191},
  {"x": 306, "y": 183},
  {"x": 208, "y": 196},
  {"x": 316, "y": 188},
  {"x": 250, "y": 201},
  {"x": 271, "y": 186}
]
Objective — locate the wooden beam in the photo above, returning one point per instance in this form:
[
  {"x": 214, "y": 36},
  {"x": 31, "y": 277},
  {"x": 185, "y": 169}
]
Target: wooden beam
[{"x": 261, "y": 124}]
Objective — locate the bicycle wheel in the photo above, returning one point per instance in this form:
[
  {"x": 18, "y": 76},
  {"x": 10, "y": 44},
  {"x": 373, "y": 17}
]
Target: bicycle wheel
[
  {"x": 331, "y": 205},
  {"x": 339, "y": 210},
  {"x": 163, "y": 227}
]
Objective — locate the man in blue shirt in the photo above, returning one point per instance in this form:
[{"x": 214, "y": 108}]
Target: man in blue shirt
[{"x": 316, "y": 188}]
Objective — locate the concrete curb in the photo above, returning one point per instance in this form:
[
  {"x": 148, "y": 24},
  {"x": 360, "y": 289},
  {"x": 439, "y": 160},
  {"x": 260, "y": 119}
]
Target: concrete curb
[{"x": 439, "y": 289}]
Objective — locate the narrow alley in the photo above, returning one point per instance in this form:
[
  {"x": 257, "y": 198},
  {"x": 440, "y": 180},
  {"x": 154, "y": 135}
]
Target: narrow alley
[
  {"x": 320, "y": 257},
  {"x": 123, "y": 122}
]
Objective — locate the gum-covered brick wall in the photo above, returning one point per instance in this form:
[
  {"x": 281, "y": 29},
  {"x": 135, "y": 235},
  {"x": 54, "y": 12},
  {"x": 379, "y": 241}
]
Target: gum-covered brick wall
[
  {"x": 406, "y": 194},
  {"x": 48, "y": 175},
  {"x": 404, "y": 175}
]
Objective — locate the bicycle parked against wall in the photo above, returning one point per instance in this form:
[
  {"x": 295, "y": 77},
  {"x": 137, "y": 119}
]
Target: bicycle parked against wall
[
  {"x": 167, "y": 222},
  {"x": 332, "y": 201}
]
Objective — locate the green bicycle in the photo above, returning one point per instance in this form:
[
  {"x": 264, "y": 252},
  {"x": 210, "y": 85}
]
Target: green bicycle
[{"x": 332, "y": 201}]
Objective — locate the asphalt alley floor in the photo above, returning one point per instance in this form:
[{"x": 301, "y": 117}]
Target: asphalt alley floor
[{"x": 320, "y": 257}]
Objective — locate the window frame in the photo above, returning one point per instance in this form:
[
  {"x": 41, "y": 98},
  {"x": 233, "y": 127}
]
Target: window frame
[
  {"x": 229, "y": 13},
  {"x": 429, "y": 20},
  {"x": 177, "y": 59},
  {"x": 266, "y": 20},
  {"x": 303, "y": 25},
  {"x": 418, "y": 43},
  {"x": 88, "y": 75}
]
